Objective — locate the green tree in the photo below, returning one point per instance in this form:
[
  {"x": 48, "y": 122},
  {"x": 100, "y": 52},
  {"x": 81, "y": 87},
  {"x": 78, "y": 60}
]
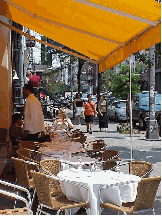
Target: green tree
[
  {"x": 51, "y": 84},
  {"x": 107, "y": 77},
  {"x": 119, "y": 83}
]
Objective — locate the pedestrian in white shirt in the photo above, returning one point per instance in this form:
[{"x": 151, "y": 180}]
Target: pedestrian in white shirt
[{"x": 33, "y": 115}]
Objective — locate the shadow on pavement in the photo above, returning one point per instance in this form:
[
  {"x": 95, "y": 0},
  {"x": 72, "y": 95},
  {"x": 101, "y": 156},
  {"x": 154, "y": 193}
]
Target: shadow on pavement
[{"x": 150, "y": 156}]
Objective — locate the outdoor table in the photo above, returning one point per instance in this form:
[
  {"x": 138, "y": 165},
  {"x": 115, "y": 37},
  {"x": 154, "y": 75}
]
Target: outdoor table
[
  {"x": 74, "y": 147},
  {"x": 69, "y": 161},
  {"x": 94, "y": 180},
  {"x": 78, "y": 161}
]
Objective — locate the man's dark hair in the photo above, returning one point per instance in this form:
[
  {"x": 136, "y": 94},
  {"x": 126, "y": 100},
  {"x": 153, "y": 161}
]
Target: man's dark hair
[
  {"x": 30, "y": 87},
  {"x": 16, "y": 117},
  {"x": 103, "y": 96},
  {"x": 78, "y": 93}
]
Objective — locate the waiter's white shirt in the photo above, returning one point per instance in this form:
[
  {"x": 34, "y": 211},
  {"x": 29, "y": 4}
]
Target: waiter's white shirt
[{"x": 33, "y": 115}]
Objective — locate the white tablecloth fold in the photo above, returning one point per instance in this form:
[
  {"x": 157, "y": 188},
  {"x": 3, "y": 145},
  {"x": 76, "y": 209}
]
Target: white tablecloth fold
[{"x": 123, "y": 191}]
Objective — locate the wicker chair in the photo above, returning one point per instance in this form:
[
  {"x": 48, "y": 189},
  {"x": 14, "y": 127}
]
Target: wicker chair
[
  {"x": 32, "y": 156},
  {"x": 22, "y": 175},
  {"x": 146, "y": 192},
  {"x": 16, "y": 211},
  {"x": 110, "y": 159},
  {"x": 29, "y": 155},
  {"x": 57, "y": 203},
  {"x": 77, "y": 136},
  {"x": 98, "y": 148},
  {"x": 52, "y": 166},
  {"x": 9, "y": 191},
  {"x": 27, "y": 145},
  {"x": 140, "y": 168}
]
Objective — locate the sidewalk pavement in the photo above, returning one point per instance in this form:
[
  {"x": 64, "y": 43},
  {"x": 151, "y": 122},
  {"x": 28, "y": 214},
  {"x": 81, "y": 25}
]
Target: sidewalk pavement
[{"x": 141, "y": 149}]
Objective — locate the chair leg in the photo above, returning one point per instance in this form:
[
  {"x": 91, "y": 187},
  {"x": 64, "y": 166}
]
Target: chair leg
[
  {"x": 28, "y": 209},
  {"x": 16, "y": 199},
  {"x": 34, "y": 201},
  {"x": 153, "y": 211},
  {"x": 58, "y": 212},
  {"x": 38, "y": 210}
]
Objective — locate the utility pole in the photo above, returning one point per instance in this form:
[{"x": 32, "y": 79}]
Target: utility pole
[
  {"x": 152, "y": 127},
  {"x": 71, "y": 83}
]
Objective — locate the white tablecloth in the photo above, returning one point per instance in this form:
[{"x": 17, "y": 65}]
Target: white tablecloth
[
  {"x": 95, "y": 180},
  {"x": 79, "y": 161}
]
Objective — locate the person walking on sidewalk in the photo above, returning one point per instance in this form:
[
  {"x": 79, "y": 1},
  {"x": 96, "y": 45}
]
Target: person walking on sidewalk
[
  {"x": 102, "y": 109},
  {"x": 78, "y": 104},
  {"x": 89, "y": 112}
]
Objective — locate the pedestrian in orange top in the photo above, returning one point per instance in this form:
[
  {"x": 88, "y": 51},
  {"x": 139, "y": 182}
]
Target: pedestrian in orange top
[{"x": 89, "y": 112}]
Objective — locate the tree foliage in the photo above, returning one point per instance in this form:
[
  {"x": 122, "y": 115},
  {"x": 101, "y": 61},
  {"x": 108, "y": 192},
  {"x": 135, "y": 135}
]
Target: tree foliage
[
  {"x": 51, "y": 84},
  {"x": 119, "y": 83}
]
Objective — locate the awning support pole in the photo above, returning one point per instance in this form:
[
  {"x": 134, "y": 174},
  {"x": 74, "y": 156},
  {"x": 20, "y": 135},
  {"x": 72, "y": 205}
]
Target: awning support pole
[
  {"x": 130, "y": 102},
  {"x": 99, "y": 83}
]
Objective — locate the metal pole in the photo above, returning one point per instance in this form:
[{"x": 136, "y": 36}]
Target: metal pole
[
  {"x": 152, "y": 127},
  {"x": 99, "y": 83},
  {"x": 130, "y": 105},
  {"x": 71, "y": 75},
  {"x": 22, "y": 67}
]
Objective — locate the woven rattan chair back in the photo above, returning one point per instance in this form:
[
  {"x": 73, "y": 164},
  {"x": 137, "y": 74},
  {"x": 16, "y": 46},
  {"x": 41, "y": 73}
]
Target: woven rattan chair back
[
  {"x": 52, "y": 166},
  {"x": 46, "y": 198},
  {"x": 146, "y": 192},
  {"x": 77, "y": 136},
  {"x": 16, "y": 211},
  {"x": 109, "y": 165},
  {"x": 42, "y": 188},
  {"x": 98, "y": 146},
  {"x": 21, "y": 172},
  {"x": 109, "y": 157},
  {"x": 28, "y": 155},
  {"x": 109, "y": 154},
  {"x": 140, "y": 168},
  {"x": 27, "y": 145}
]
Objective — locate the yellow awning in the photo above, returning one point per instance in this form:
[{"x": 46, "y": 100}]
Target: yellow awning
[{"x": 106, "y": 31}]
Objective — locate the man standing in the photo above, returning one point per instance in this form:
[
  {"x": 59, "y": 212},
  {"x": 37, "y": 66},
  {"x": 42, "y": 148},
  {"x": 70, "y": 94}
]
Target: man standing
[
  {"x": 34, "y": 80},
  {"x": 33, "y": 115}
]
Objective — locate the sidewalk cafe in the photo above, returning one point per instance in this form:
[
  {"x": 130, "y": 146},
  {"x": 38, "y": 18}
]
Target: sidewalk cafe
[{"x": 66, "y": 173}]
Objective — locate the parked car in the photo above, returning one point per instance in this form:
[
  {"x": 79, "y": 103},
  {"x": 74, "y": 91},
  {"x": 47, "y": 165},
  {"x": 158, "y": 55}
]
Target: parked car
[
  {"x": 117, "y": 110},
  {"x": 84, "y": 97},
  {"x": 111, "y": 100},
  {"x": 140, "y": 108}
]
